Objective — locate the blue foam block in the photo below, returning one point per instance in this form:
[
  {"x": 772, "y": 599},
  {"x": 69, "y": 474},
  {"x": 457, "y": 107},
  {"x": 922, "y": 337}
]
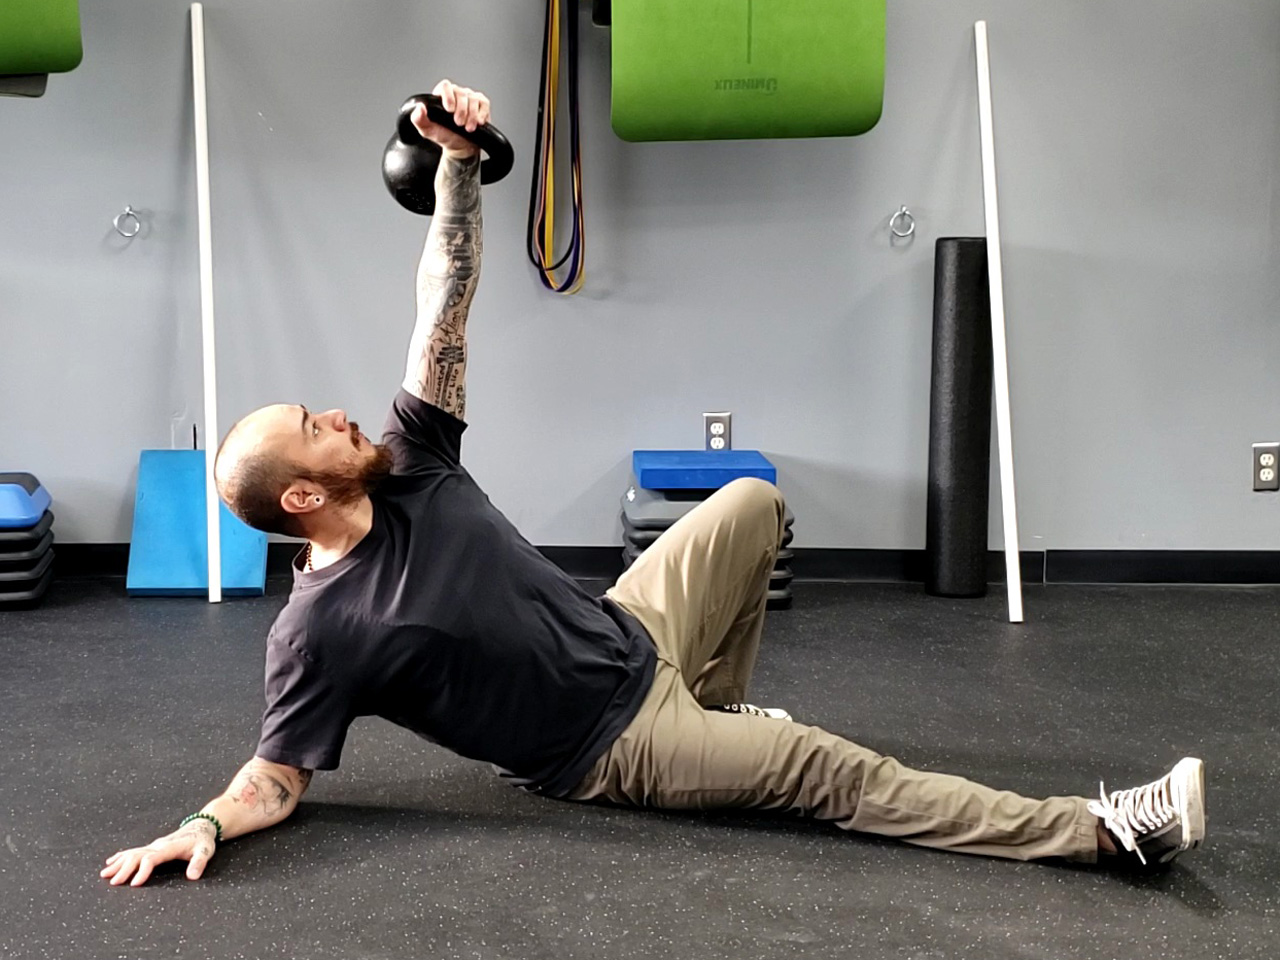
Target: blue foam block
[
  {"x": 21, "y": 508},
  {"x": 698, "y": 469},
  {"x": 169, "y": 554}
]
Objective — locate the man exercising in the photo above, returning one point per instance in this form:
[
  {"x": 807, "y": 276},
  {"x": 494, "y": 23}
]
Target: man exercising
[{"x": 417, "y": 601}]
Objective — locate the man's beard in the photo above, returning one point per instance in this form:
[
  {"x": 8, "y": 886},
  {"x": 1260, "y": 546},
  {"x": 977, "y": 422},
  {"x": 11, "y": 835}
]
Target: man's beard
[{"x": 348, "y": 486}]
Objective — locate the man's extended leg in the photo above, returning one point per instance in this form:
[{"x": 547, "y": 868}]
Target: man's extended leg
[
  {"x": 700, "y": 589},
  {"x": 700, "y": 592},
  {"x": 676, "y": 755}
]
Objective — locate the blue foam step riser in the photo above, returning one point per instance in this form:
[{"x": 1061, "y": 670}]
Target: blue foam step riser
[
  {"x": 169, "y": 552},
  {"x": 698, "y": 469},
  {"x": 23, "y": 501}
]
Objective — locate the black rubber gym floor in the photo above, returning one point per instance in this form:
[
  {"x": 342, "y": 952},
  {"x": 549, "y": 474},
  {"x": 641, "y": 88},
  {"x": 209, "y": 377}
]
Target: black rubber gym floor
[{"x": 121, "y": 716}]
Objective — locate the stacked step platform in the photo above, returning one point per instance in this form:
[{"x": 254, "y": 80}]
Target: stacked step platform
[
  {"x": 26, "y": 541},
  {"x": 667, "y": 484}
]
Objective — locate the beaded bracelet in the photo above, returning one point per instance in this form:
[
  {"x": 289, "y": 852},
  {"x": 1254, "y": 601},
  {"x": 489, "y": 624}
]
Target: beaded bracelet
[{"x": 204, "y": 816}]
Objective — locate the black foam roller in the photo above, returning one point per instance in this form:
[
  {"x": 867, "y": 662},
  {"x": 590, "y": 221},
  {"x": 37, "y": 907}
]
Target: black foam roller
[{"x": 959, "y": 420}]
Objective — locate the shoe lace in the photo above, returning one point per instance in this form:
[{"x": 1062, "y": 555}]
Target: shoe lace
[
  {"x": 1139, "y": 810},
  {"x": 748, "y": 708}
]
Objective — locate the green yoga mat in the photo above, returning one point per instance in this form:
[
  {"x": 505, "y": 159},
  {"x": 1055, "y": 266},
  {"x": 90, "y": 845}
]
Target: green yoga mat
[
  {"x": 39, "y": 36},
  {"x": 746, "y": 69}
]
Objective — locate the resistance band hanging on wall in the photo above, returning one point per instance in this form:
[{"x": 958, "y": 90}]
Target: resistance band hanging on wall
[{"x": 542, "y": 194}]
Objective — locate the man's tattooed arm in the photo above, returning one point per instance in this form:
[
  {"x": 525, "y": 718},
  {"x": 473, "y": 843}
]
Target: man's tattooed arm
[
  {"x": 447, "y": 276},
  {"x": 262, "y": 794}
]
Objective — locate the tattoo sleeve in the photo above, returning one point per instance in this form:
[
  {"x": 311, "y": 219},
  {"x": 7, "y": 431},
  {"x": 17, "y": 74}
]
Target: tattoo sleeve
[{"x": 447, "y": 276}]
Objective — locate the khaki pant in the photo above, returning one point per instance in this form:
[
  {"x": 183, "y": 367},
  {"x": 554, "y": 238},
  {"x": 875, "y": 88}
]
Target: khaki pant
[{"x": 700, "y": 593}]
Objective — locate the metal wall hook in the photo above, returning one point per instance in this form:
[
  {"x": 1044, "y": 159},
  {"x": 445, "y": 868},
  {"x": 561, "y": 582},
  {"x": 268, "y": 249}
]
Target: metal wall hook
[
  {"x": 904, "y": 218},
  {"x": 124, "y": 218}
]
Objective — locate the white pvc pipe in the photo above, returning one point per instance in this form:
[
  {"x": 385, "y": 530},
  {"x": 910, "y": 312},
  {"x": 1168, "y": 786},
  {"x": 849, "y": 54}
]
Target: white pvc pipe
[
  {"x": 206, "y": 301},
  {"x": 995, "y": 274}
]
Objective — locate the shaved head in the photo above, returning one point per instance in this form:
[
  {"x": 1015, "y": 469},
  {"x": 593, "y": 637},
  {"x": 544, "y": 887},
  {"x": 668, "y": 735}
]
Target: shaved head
[
  {"x": 252, "y": 472},
  {"x": 283, "y": 462}
]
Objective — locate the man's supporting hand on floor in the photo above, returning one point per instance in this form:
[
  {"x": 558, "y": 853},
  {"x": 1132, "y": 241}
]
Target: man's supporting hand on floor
[{"x": 261, "y": 795}]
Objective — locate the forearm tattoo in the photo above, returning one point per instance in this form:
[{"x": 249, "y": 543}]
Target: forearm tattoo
[
  {"x": 264, "y": 792},
  {"x": 447, "y": 278}
]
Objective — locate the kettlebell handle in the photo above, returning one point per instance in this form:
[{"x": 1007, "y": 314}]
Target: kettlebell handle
[{"x": 500, "y": 155}]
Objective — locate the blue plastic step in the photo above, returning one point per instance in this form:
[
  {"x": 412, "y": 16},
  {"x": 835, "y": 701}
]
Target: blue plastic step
[
  {"x": 698, "y": 469},
  {"x": 23, "y": 501}
]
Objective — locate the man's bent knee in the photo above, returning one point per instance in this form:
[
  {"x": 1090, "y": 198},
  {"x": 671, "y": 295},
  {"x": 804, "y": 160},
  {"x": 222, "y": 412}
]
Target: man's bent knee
[{"x": 753, "y": 490}]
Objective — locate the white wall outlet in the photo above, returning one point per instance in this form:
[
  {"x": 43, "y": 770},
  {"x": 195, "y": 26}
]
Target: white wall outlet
[
  {"x": 1266, "y": 466},
  {"x": 717, "y": 430}
]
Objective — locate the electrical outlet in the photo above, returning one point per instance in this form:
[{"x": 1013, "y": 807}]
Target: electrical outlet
[
  {"x": 717, "y": 430},
  {"x": 1266, "y": 466}
]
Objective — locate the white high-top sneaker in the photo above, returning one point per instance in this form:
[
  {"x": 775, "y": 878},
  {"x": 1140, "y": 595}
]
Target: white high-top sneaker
[{"x": 1160, "y": 820}]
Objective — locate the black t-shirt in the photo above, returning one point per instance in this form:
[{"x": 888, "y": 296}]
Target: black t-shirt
[{"x": 446, "y": 621}]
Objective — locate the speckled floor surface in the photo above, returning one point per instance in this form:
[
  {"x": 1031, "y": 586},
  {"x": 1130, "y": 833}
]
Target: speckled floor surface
[{"x": 122, "y": 715}]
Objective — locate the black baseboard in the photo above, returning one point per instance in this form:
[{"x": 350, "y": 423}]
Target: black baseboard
[
  {"x": 74, "y": 560},
  {"x": 895, "y": 566},
  {"x": 837, "y": 564},
  {"x": 1163, "y": 566}
]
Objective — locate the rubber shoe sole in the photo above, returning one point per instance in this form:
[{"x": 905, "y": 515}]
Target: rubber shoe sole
[{"x": 1190, "y": 772}]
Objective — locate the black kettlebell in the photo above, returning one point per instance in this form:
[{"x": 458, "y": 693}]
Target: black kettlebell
[{"x": 410, "y": 161}]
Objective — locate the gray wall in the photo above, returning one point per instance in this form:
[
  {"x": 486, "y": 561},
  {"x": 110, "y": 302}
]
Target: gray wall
[{"x": 1138, "y": 159}]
